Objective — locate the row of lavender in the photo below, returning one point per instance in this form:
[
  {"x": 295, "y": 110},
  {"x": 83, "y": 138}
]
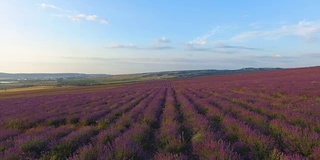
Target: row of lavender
[
  {"x": 72, "y": 128},
  {"x": 262, "y": 116}
]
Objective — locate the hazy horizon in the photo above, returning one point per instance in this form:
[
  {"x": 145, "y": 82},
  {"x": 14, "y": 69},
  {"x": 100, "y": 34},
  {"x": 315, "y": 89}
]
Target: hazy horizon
[
  {"x": 140, "y": 72},
  {"x": 120, "y": 37}
]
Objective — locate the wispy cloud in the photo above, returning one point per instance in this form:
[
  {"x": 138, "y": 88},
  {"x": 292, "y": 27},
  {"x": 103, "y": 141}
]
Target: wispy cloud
[
  {"x": 103, "y": 21},
  {"x": 223, "y": 48},
  {"x": 213, "y": 50},
  {"x": 74, "y": 17},
  {"x": 309, "y": 30},
  {"x": 202, "y": 40},
  {"x": 49, "y": 6},
  {"x": 221, "y": 45},
  {"x": 201, "y": 44},
  {"x": 160, "y": 45},
  {"x": 85, "y": 17},
  {"x": 120, "y": 46},
  {"x": 134, "y": 47},
  {"x": 81, "y": 17}
]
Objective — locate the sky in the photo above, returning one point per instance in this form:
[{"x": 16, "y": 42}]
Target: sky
[{"x": 127, "y": 36}]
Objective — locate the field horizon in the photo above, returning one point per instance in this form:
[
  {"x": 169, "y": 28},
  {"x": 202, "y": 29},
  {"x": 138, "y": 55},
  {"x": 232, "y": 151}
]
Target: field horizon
[{"x": 33, "y": 81}]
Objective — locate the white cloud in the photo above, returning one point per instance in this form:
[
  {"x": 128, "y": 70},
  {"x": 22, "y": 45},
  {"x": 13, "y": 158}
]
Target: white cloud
[
  {"x": 120, "y": 46},
  {"x": 80, "y": 17},
  {"x": 199, "y": 42},
  {"x": 73, "y": 17},
  {"x": 49, "y": 6},
  {"x": 304, "y": 29}
]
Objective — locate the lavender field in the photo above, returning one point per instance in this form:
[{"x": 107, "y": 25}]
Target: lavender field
[{"x": 263, "y": 115}]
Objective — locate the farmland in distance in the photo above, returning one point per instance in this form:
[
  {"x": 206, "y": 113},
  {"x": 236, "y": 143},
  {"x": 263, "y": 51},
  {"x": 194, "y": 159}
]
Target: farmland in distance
[{"x": 262, "y": 115}]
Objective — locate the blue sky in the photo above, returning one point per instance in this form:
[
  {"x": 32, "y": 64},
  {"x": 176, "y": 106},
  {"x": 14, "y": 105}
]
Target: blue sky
[{"x": 126, "y": 36}]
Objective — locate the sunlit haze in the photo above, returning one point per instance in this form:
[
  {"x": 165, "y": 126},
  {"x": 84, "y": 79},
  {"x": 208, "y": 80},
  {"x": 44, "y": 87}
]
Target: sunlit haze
[{"x": 123, "y": 36}]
